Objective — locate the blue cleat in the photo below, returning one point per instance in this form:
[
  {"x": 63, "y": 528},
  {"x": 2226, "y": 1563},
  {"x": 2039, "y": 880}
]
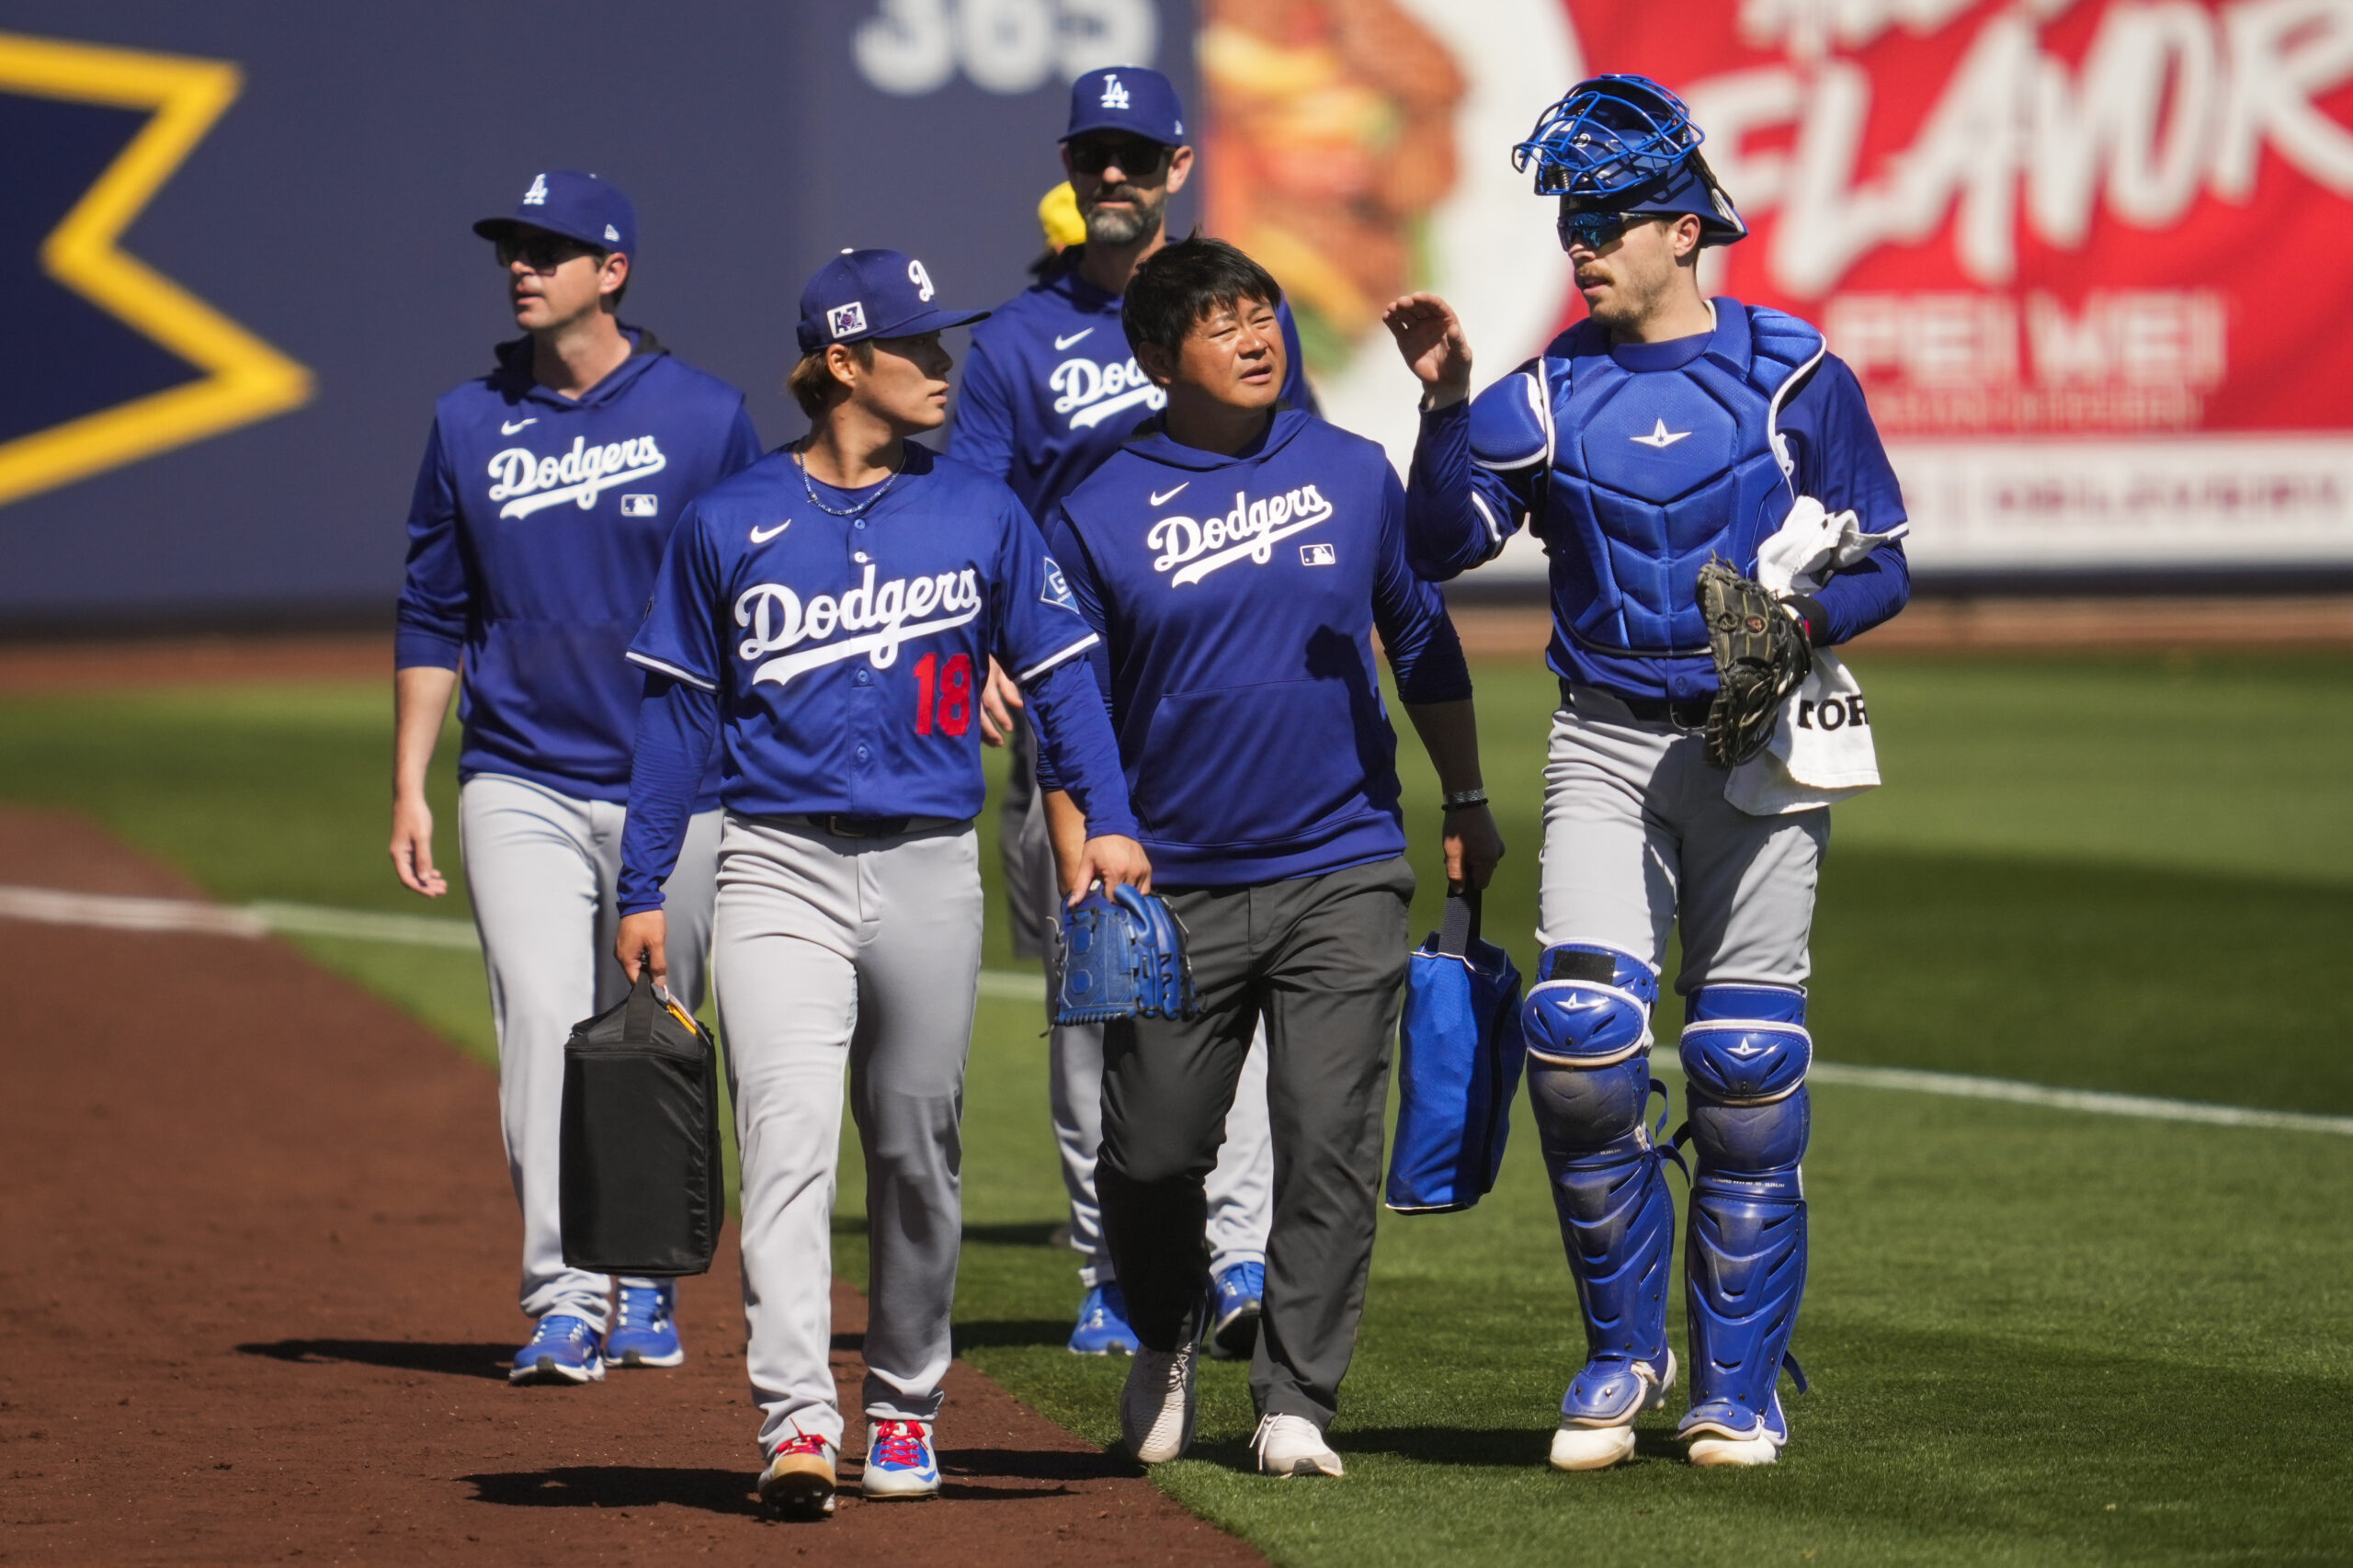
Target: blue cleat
[
  {"x": 645, "y": 1328},
  {"x": 900, "y": 1462},
  {"x": 1235, "y": 1302},
  {"x": 562, "y": 1350},
  {"x": 1103, "y": 1324}
]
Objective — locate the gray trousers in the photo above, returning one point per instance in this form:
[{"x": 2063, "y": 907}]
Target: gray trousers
[
  {"x": 855, "y": 958},
  {"x": 1240, "y": 1186},
  {"x": 1637, "y": 831},
  {"x": 1320, "y": 959},
  {"x": 540, "y": 869}
]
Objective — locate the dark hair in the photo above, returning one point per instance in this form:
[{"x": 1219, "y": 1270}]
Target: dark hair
[
  {"x": 1178, "y": 287},
  {"x": 814, "y": 385}
]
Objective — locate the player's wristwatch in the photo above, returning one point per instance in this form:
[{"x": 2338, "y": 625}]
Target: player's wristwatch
[{"x": 1463, "y": 800}]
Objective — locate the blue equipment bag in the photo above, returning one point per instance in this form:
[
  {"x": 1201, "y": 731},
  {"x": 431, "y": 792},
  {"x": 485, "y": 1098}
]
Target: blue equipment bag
[{"x": 1462, "y": 1050}]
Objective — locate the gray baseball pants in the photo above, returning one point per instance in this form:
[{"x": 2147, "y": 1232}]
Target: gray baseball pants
[
  {"x": 1321, "y": 959},
  {"x": 1637, "y": 830},
  {"x": 1242, "y": 1184},
  {"x": 860, "y": 958},
  {"x": 541, "y": 868}
]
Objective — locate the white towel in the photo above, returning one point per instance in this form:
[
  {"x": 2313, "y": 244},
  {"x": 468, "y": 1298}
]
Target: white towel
[{"x": 1821, "y": 751}]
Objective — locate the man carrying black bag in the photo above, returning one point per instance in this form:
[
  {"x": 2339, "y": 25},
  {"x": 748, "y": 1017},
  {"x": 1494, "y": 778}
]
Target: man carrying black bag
[{"x": 643, "y": 1189}]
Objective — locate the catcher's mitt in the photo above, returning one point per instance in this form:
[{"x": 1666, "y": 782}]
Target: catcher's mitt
[
  {"x": 1761, "y": 654},
  {"x": 1123, "y": 956}
]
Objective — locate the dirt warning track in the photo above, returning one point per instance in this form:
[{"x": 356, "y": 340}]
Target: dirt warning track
[{"x": 257, "y": 1248}]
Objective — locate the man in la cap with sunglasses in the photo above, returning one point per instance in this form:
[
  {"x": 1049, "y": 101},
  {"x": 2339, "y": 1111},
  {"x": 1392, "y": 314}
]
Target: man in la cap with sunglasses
[
  {"x": 548, "y": 492},
  {"x": 1665, "y": 431},
  {"x": 1051, "y": 390}
]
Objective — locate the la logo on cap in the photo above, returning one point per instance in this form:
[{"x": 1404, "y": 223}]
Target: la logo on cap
[
  {"x": 844, "y": 320},
  {"x": 922, "y": 280},
  {"x": 1115, "y": 95},
  {"x": 538, "y": 195}
]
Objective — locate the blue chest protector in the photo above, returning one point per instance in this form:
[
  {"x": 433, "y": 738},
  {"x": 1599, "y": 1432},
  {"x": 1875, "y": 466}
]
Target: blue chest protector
[{"x": 1639, "y": 477}]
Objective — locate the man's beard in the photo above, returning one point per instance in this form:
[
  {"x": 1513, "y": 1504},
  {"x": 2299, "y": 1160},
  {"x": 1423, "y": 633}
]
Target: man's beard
[{"x": 1127, "y": 228}]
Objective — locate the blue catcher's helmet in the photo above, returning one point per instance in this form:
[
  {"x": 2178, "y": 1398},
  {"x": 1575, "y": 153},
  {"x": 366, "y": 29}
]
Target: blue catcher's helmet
[{"x": 1624, "y": 144}]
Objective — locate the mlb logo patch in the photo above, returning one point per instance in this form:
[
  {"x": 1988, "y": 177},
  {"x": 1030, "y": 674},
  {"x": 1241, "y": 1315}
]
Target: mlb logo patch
[
  {"x": 1057, "y": 590},
  {"x": 844, "y": 320},
  {"x": 638, "y": 504},
  {"x": 1318, "y": 555}
]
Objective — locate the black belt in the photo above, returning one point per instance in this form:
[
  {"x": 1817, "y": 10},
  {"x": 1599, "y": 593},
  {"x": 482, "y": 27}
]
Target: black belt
[
  {"x": 1683, "y": 712},
  {"x": 842, "y": 826}
]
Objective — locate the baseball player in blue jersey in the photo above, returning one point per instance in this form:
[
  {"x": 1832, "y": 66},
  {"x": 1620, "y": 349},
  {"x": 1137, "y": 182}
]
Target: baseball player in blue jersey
[
  {"x": 1238, "y": 558},
  {"x": 1665, "y": 430},
  {"x": 1051, "y": 390},
  {"x": 824, "y": 623},
  {"x": 548, "y": 492}
]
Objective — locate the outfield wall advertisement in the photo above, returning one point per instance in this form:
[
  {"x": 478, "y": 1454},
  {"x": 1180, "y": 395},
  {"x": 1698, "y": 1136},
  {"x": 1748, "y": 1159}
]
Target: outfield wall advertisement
[
  {"x": 234, "y": 241},
  {"x": 2090, "y": 257}
]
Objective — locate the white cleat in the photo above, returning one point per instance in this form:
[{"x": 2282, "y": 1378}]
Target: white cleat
[
  {"x": 1157, "y": 1407},
  {"x": 1591, "y": 1448},
  {"x": 1291, "y": 1445},
  {"x": 1760, "y": 1449}
]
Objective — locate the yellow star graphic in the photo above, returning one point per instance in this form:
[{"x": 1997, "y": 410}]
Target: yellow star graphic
[{"x": 245, "y": 378}]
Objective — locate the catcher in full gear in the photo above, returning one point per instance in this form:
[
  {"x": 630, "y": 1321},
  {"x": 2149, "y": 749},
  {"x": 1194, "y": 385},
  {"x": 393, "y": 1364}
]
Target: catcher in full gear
[{"x": 1654, "y": 448}]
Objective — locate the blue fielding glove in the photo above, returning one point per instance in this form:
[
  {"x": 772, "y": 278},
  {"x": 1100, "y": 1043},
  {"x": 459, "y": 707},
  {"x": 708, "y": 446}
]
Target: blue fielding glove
[{"x": 1123, "y": 957}]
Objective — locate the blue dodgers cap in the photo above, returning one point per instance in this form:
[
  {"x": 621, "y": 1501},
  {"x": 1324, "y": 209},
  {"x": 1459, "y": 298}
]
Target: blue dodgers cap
[
  {"x": 1132, "y": 98},
  {"x": 872, "y": 293},
  {"x": 578, "y": 206}
]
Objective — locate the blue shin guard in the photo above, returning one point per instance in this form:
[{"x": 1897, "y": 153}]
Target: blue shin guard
[
  {"x": 1745, "y": 1053},
  {"x": 1587, "y": 1023}
]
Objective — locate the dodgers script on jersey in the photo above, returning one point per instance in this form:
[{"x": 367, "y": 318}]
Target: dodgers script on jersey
[
  {"x": 1635, "y": 462},
  {"x": 1237, "y": 596},
  {"x": 1052, "y": 388},
  {"x": 537, "y": 529},
  {"x": 847, "y": 654}
]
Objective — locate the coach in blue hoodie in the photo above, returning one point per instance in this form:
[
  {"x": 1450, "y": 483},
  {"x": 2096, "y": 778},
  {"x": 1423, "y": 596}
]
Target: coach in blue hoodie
[{"x": 1236, "y": 558}]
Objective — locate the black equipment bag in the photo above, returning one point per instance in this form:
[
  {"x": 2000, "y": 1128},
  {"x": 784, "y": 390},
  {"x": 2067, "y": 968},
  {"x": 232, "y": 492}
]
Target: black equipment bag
[{"x": 642, "y": 1189}]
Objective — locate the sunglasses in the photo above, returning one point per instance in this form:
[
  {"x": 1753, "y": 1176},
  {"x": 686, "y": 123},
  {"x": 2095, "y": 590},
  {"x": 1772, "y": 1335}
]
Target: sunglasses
[
  {"x": 1133, "y": 154},
  {"x": 540, "y": 253},
  {"x": 1593, "y": 230}
]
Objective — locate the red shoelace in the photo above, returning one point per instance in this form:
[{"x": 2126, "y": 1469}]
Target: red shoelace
[
  {"x": 802, "y": 1444},
  {"x": 899, "y": 1443}
]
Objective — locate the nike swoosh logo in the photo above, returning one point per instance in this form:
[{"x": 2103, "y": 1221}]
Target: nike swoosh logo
[
  {"x": 1165, "y": 496},
  {"x": 1062, "y": 342},
  {"x": 761, "y": 536},
  {"x": 510, "y": 429}
]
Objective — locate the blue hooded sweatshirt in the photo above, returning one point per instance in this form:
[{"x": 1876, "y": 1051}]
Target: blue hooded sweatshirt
[
  {"x": 1236, "y": 597},
  {"x": 536, "y": 530}
]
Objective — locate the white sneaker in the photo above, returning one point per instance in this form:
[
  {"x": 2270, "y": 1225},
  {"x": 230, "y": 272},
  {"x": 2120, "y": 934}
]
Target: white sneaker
[
  {"x": 1291, "y": 1445},
  {"x": 1157, "y": 1407},
  {"x": 1735, "y": 1450},
  {"x": 1591, "y": 1448}
]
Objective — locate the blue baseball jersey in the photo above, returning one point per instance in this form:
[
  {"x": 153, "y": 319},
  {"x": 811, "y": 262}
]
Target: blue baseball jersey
[
  {"x": 1052, "y": 388},
  {"x": 1634, "y": 462},
  {"x": 1237, "y": 597},
  {"x": 537, "y": 529},
  {"x": 848, "y": 654}
]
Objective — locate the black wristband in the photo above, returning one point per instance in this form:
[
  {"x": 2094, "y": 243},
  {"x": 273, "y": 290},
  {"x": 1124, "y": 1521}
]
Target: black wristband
[
  {"x": 1810, "y": 611},
  {"x": 1463, "y": 800}
]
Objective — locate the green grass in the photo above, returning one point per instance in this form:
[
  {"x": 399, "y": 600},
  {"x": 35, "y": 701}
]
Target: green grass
[{"x": 2036, "y": 1337}]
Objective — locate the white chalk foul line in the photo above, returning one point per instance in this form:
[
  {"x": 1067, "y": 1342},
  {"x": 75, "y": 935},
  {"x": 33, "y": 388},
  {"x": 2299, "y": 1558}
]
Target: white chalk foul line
[
  {"x": 2092, "y": 1102},
  {"x": 116, "y": 911}
]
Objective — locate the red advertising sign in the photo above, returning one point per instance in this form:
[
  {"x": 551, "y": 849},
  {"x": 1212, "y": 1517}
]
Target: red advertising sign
[
  {"x": 2092, "y": 259},
  {"x": 2031, "y": 218}
]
